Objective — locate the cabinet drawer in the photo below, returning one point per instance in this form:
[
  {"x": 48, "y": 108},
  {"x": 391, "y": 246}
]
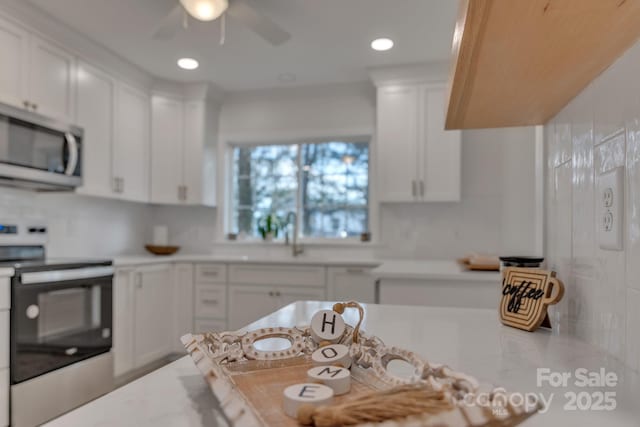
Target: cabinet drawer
[
  {"x": 4, "y": 340},
  {"x": 4, "y": 397},
  {"x": 211, "y": 301},
  {"x": 288, "y": 275},
  {"x": 5, "y": 293},
  {"x": 211, "y": 273},
  {"x": 210, "y": 325}
]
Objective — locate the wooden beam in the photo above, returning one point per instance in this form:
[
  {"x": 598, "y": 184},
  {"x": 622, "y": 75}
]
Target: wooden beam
[{"x": 519, "y": 62}]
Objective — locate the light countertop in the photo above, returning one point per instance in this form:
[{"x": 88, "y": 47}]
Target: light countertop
[
  {"x": 132, "y": 260},
  {"x": 470, "y": 340},
  {"x": 434, "y": 270},
  {"x": 6, "y": 272}
]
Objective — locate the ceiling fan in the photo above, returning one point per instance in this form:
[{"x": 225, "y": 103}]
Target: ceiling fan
[{"x": 209, "y": 10}]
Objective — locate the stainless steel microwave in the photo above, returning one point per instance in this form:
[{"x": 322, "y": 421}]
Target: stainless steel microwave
[{"x": 37, "y": 152}]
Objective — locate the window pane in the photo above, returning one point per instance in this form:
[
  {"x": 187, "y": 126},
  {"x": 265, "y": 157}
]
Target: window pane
[
  {"x": 334, "y": 185},
  {"x": 335, "y": 189},
  {"x": 264, "y": 182}
]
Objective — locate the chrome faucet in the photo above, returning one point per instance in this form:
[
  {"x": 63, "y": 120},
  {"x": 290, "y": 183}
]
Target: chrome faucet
[{"x": 296, "y": 249}]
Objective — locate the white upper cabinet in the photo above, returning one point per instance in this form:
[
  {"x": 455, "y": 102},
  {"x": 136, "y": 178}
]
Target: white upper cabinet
[
  {"x": 35, "y": 74},
  {"x": 14, "y": 57},
  {"x": 51, "y": 80},
  {"x": 397, "y": 137},
  {"x": 96, "y": 105},
  {"x": 183, "y": 152},
  {"x": 131, "y": 147},
  {"x": 440, "y": 171},
  {"x": 418, "y": 161},
  {"x": 167, "y": 144}
]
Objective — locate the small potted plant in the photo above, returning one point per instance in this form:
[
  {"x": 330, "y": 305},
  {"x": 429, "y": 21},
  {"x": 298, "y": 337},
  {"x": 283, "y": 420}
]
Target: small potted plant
[{"x": 268, "y": 227}]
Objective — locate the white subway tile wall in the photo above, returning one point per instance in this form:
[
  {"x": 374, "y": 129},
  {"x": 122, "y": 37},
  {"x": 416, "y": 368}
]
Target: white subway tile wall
[{"x": 602, "y": 300}]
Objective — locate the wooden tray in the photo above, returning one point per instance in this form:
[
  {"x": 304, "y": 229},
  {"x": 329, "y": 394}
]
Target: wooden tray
[{"x": 249, "y": 386}]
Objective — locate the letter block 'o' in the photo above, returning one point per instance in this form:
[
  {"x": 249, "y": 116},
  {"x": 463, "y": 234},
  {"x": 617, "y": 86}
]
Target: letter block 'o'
[
  {"x": 339, "y": 379},
  {"x": 305, "y": 394},
  {"x": 332, "y": 354},
  {"x": 327, "y": 325}
]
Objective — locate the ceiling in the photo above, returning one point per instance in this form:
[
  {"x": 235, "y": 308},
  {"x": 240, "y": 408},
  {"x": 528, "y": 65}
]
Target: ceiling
[{"x": 329, "y": 44}]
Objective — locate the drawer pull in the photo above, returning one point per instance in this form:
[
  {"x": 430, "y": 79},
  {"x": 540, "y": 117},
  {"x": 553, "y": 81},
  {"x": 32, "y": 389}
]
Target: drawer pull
[
  {"x": 355, "y": 270},
  {"x": 209, "y": 273},
  {"x": 210, "y": 301}
]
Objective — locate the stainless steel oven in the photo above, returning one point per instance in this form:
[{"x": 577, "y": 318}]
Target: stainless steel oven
[
  {"x": 37, "y": 152},
  {"x": 61, "y": 332}
]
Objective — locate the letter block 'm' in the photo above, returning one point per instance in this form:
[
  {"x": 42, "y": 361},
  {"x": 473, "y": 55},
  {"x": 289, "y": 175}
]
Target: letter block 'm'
[{"x": 339, "y": 379}]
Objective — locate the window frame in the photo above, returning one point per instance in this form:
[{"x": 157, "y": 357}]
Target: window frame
[{"x": 230, "y": 145}]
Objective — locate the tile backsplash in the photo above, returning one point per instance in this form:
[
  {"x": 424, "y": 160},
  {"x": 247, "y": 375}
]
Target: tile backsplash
[{"x": 602, "y": 299}]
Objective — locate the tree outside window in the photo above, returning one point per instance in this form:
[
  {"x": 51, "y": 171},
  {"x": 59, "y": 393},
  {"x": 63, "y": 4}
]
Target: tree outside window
[{"x": 326, "y": 184}]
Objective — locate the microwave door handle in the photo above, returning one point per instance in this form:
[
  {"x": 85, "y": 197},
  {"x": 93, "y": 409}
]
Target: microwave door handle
[{"x": 72, "y": 146}]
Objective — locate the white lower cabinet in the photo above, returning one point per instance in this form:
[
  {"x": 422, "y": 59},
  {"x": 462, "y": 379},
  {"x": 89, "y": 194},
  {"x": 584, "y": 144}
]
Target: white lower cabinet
[
  {"x": 143, "y": 316},
  {"x": 440, "y": 293},
  {"x": 123, "y": 321},
  {"x": 351, "y": 284},
  {"x": 152, "y": 314},
  {"x": 183, "y": 310},
  {"x": 248, "y": 303},
  {"x": 4, "y": 397},
  {"x": 4, "y": 339},
  {"x": 209, "y": 325}
]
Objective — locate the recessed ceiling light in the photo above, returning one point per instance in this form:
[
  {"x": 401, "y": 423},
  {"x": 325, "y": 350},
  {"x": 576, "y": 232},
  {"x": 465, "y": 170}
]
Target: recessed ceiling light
[
  {"x": 188, "y": 63},
  {"x": 382, "y": 44}
]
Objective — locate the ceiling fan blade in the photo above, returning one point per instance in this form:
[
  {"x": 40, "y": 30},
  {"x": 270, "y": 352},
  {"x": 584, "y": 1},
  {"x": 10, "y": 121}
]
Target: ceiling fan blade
[
  {"x": 257, "y": 22},
  {"x": 170, "y": 24}
]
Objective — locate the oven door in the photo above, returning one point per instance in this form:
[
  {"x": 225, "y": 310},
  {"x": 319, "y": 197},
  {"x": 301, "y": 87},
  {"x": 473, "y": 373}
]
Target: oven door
[{"x": 59, "y": 318}]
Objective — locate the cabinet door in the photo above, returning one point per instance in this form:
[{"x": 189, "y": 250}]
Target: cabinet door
[
  {"x": 351, "y": 284},
  {"x": 166, "y": 150},
  {"x": 287, "y": 295},
  {"x": 4, "y": 397},
  {"x": 153, "y": 314},
  {"x": 396, "y": 140},
  {"x": 183, "y": 286},
  {"x": 52, "y": 78},
  {"x": 123, "y": 322},
  {"x": 14, "y": 56},
  {"x": 194, "y": 125},
  {"x": 131, "y": 148},
  {"x": 95, "y": 101},
  {"x": 249, "y": 303},
  {"x": 439, "y": 149}
]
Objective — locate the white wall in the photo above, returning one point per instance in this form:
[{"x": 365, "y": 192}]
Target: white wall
[
  {"x": 496, "y": 214},
  {"x": 285, "y": 113},
  {"x": 602, "y": 300},
  {"x": 80, "y": 226}
]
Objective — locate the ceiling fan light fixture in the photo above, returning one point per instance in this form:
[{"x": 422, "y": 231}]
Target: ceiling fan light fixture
[{"x": 205, "y": 10}]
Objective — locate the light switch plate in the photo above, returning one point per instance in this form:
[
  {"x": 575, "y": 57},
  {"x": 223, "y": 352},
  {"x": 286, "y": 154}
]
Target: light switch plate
[{"x": 610, "y": 209}]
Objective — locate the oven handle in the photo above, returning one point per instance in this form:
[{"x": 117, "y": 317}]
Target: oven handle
[
  {"x": 65, "y": 275},
  {"x": 72, "y": 145}
]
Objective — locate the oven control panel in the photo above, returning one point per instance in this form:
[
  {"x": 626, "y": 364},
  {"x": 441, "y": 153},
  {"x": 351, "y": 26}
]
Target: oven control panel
[{"x": 8, "y": 229}]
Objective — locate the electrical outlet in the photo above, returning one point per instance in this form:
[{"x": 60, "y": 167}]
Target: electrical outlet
[{"x": 610, "y": 198}]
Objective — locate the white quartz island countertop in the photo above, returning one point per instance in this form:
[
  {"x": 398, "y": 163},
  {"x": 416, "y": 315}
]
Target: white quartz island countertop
[{"x": 469, "y": 340}]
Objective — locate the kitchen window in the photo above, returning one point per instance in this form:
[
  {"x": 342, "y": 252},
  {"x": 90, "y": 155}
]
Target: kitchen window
[{"x": 325, "y": 183}]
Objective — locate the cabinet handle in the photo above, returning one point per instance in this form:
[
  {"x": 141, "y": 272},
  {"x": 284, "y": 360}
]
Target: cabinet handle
[
  {"x": 210, "y": 273},
  {"x": 34, "y": 106},
  {"x": 122, "y": 185},
  {"x": 355, "y": 270},
  {"x": 180, "y": 192},
  {"x": 210, "y": 301},
  {"x": 185, "y": 191},
  {"x": 421, "y": 187},
  {"x": 278, "y": 294},
  {"x": 26, "y": 104},
  {"x": 139, "y": 280},
  {"x": 115, "y": 184},
  {"x": 413, "y": 188}
]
